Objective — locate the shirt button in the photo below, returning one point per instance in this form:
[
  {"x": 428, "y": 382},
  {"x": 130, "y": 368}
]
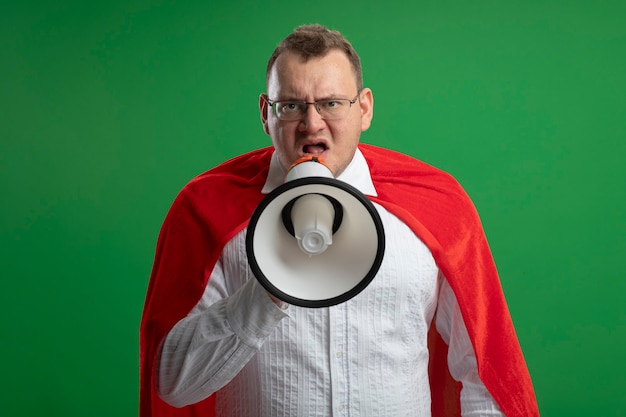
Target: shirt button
[{"x": 339, "y": 355}]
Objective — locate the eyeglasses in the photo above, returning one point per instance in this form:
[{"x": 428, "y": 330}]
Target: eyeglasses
[{"x": 329, "y": 109}]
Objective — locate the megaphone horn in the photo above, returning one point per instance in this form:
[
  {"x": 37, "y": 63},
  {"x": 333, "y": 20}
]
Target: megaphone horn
[
  {"x": 312, "y": 219},
  {"x": 315, "y": 241}
]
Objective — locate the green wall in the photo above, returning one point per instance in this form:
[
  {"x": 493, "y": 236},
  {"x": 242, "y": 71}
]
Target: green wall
[{"x": 108, "y": 108}]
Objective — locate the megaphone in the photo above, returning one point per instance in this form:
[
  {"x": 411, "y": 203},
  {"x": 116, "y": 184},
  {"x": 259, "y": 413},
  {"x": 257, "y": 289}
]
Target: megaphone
[{"x": 315, "y": 241}]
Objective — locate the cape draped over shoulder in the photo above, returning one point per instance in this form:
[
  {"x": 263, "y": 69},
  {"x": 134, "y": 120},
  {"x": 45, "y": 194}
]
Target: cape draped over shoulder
[{"x": 215, "y": 206}]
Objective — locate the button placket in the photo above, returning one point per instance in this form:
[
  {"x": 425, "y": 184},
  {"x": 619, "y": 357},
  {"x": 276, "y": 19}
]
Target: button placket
[{"x": 339, "y": 362}]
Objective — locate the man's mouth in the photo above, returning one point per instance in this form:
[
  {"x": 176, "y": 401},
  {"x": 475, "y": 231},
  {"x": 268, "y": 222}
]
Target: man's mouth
[{"x": 314, "y": 149}]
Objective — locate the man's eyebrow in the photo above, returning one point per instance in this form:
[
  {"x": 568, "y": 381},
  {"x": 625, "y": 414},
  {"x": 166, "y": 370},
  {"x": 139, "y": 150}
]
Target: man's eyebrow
[
  {"x": 288, "y": 98},
  {"x": 327, "y": 97}
]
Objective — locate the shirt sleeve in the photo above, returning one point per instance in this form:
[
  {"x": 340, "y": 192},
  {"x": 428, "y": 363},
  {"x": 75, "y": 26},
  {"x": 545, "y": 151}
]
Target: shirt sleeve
[
  {"x": 476, "y": 401},
  {"x": 208, "y": 348}
]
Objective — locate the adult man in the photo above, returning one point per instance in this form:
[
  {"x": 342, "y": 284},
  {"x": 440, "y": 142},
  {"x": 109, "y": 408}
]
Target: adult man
[{"x": 215, "y": 343}]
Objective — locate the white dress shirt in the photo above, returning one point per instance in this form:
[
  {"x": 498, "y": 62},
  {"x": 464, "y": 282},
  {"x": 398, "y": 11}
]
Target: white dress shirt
[{"x": 365, "y": 357}]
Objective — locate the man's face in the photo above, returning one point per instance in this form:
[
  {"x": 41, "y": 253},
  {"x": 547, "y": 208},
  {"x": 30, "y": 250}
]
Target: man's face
[{"x": 330, "y": 76}]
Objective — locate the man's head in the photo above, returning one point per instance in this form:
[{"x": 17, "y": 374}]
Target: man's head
[
  {"x": 314, "y": 64},
  {"x": 314, "y": 41}
]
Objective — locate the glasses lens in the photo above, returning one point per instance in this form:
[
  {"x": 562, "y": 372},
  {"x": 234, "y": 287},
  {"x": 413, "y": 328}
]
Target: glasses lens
[
  {"x": 289, "y": 110},
  {"x": 333, "y": 109}
]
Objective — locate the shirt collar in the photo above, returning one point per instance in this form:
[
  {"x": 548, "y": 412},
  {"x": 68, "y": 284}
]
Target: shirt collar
[{"x": 357, "y": 174}]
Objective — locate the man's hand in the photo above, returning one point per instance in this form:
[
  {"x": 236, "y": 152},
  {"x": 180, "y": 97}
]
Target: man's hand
[{"x": 280, "y": 303}]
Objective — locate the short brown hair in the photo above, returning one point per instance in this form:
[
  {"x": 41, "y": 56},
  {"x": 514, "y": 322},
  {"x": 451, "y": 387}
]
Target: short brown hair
[{"x": 311, "y": 41}]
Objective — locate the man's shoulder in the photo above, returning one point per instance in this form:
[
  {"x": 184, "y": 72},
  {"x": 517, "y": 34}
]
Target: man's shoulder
[
  {"x": 414, "y": 185},
  {"x": 233, "y": 186},
  {"x": 245, "y": 167},
  {"x": 243, "y": 172},
  {"x": 391, "y": 166}
]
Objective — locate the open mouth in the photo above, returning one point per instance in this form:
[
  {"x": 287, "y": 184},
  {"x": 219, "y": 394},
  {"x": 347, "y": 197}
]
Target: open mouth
[{"x": 314, "y": 149}]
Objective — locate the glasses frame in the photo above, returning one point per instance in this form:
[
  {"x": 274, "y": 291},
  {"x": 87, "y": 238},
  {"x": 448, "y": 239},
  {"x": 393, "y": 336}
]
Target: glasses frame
[{"x": 305, "y": 103}]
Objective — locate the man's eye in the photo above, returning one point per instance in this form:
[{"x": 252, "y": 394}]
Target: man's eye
[
  {"x": 331, "y": 104},
  {"x": 290, "y": 107}
]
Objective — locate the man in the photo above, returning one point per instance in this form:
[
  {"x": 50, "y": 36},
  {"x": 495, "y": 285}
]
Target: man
[{"x": 431, "y": 333}]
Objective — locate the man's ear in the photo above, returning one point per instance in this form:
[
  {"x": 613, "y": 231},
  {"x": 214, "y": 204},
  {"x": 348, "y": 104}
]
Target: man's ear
[
  {"x": 366, "y": 103},
  {"x": 264, "y": 108}
]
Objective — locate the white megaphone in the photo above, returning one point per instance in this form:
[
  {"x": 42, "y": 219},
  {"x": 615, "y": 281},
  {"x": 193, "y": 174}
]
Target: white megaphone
[{"x": 315, "y": 241}]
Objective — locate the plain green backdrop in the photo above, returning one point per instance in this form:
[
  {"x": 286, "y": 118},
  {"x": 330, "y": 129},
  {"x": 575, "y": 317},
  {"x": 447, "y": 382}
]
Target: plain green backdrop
[{"x": 109, "y": 108}]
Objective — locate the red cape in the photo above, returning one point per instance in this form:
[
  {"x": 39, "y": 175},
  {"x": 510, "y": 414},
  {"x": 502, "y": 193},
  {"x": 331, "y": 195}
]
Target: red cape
[{"x": 218, "y": 204}]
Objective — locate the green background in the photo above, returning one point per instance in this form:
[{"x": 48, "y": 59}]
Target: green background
[{"x": 109, "y": 108}]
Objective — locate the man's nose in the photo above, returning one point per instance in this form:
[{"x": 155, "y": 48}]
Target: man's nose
[{"x": 311, "y": 120}]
